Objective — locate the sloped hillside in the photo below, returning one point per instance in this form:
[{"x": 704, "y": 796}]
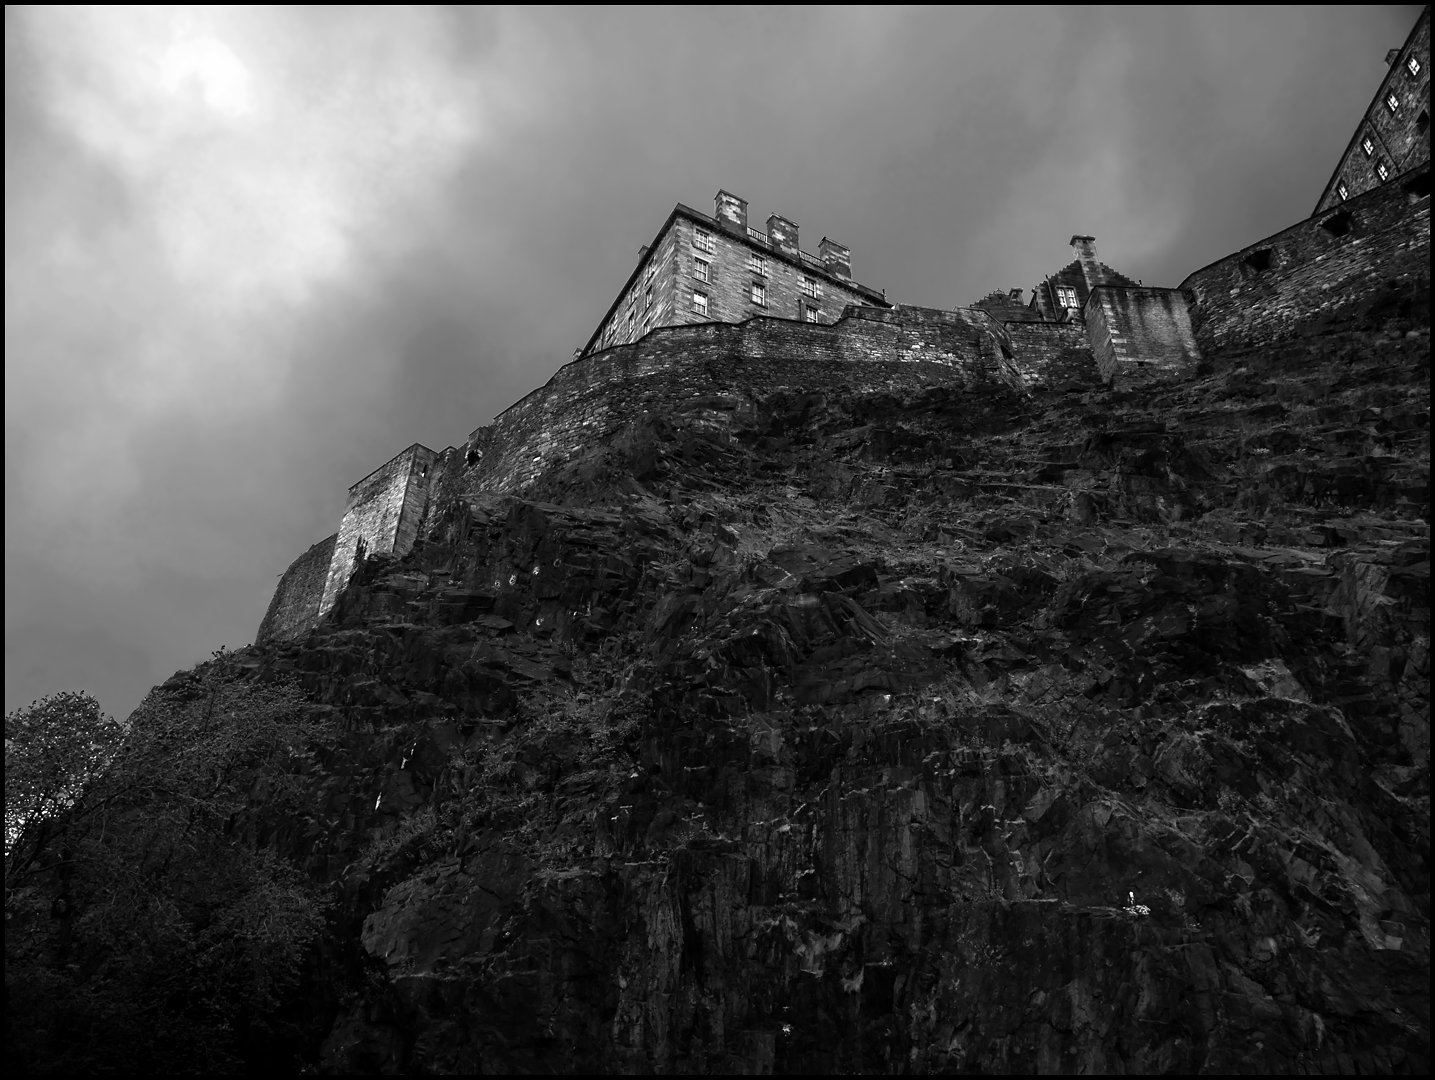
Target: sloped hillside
[{"x": 1085, "y": 729}]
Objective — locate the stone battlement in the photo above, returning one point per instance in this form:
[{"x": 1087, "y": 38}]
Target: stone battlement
[{"x": 1086, "y": 324}]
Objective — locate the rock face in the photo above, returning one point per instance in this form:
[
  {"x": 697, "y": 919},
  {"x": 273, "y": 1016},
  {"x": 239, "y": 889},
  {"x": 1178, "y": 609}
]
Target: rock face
[{"x": 1083, "y": 730}]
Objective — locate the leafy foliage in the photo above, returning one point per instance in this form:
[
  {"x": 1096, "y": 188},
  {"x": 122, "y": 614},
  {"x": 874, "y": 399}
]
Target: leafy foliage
[{"x": 141, "y": 933}]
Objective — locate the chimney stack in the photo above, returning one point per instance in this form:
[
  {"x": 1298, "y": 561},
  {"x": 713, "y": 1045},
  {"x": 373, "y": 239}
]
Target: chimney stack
[
  {"x": 1086, "y": 255},
  {"x": 782, "y": 234},
  {"x": 642, "y": 251},
  {"x": 836, "y": 259},
  {"x": 731, "y": 212},
  {"x": 1014, "y": 295}
]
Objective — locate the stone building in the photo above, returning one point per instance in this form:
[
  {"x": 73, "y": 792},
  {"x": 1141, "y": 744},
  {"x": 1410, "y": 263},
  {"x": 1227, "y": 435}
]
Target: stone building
[
  {"x": 1394, "y": 135},
  {"x": 719, "y": 269},
  {"x": 1088, "y": 311}
]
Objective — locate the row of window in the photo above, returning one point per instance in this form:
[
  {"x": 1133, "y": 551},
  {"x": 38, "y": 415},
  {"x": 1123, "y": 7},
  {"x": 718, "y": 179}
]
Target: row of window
[
  {"x": 759, "y": 296},
  {"x": 756, "y": 264}
]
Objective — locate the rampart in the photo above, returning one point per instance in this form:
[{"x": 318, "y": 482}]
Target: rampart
[
  {"x": 901, "y": 350},
  {"x": 1134, "y": 328},
  {"x": 295, "y": 606},
  {"x": 1331, "y": 260},
  {"x": 383, "y": 514},
  {"x": 1052, "y": 354}
]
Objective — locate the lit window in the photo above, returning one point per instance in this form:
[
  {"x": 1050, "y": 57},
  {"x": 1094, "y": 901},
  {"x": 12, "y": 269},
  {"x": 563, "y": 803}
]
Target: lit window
[
  {"x": 811, "y": 314},
  {"x": 756, "y": 264},
  {"x": 759, "y": 294},
  {"x": 1382, "y": 170},
  {"x": 1343, "y": 191},
  {"x": 703, "y": 240},
  {"x": 809, "y": 287},
  {"x": 700, "y": 302},
  {"x": 1392, "y": 102},
  {"x": 1412, "y": 65},
  {"x": 1368, "y": 145},
  {"x": 1066, "y": 296},
  {"x": 700, "y": 269}
]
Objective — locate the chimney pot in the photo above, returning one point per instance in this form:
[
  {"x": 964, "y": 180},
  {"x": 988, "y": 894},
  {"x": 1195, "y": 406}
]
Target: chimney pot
[
  {"x": 782, "y": 235},
  {"x": 1086, "y": 255},
  {"x": 731, "y": 212},
  {"x": 836, "y": 259}
]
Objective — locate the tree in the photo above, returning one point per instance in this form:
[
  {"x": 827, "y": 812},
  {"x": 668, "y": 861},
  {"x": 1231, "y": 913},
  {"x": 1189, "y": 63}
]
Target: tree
[
  {"x": 55, "y": 748},
  {"x": 143, "y": 933}
]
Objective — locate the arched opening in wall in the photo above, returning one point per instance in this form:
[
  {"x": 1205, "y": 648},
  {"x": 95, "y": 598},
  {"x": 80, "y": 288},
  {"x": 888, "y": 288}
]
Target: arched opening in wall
[
  {"x": 1338, "y": 224},
  {"x": 1259, "y": 261},
  {"x": 473, "y": 457},
  {"x": 1418, "y": 188}
]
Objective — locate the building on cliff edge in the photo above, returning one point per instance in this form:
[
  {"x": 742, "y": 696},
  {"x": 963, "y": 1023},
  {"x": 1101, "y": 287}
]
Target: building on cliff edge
[
  {"x": 714, "y": 305},
  {"x": 701, "y": 269}
]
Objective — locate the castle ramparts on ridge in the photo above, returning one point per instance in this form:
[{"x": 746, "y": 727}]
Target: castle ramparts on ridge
[{"x": 658, "y": 347}]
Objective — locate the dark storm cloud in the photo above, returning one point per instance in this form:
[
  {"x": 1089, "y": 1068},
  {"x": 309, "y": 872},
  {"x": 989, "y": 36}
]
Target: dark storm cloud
[{"x": 252, "y": 253}]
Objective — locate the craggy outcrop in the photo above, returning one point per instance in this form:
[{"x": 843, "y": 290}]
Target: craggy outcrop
[{"x": 972, "y": 729}]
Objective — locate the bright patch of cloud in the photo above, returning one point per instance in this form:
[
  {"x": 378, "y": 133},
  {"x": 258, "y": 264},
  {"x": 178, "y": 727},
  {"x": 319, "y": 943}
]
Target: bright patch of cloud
[{"x": 193, "y": 186}]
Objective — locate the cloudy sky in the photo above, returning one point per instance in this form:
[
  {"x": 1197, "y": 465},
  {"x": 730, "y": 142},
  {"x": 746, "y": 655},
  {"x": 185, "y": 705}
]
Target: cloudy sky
[{"x": 252, "y": 253}]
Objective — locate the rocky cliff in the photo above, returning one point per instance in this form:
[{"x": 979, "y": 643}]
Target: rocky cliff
[{"x": 972, "y": 729}]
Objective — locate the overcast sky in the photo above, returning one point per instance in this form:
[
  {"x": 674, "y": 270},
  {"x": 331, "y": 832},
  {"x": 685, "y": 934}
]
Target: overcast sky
[{"x": 251, "y": 254}]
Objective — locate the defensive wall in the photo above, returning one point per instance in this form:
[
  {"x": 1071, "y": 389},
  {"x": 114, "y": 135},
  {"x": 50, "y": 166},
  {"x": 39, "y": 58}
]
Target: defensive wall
[
  {"x": 1267, "y": 291},
  {"x": 296, "y": 600},
  {"x": 898, "y": 350},
  {"x": 382, "y": 515},
  {"x": 1331, "y": 260},
  {"x": 1052, "y": 354},
  {"x": 1135, "y": 329}
]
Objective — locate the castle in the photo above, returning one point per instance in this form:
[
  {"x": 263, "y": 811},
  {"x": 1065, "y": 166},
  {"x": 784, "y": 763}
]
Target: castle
[{"x": 714, "y": 306}]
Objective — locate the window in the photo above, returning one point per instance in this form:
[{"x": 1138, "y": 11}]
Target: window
[
  {"x": 1342, "y": 191},
  {"x": 809, "y": 287},
  {"x": 1066, "y": 296},
  {"x": 700, "y": 302},
  {"x": 652, "y": 269},
  {"x": 1368, "y": 145},
  {"x": 700, "y": 269},
  {"x": 810, "y": 314},
  {"x": 759, "y": 294},
  {"x": 648, "y": 300},
  {"x": 1382, "y": 170},
  {"x": 756, "y": 264},
  {"x": 703, "y": 240},
  {"x": 1412, "y": 65},
  {"x": 1392, "y": 102},
  {"x": 1422, "y": 122}
]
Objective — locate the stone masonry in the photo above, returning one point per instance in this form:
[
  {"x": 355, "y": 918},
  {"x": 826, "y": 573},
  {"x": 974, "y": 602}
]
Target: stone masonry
[{"x": 1394, "y": 135}]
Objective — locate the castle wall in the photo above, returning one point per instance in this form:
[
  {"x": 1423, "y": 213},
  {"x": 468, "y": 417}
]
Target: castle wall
[
  {"x": 1134, "y": 328},
  {"x": 383, "y": 514},
  {"x": 1052, "y": 354},
  {"x": 295, "y": 606},
  {"x": 903, "y": 350},
  {"x": 1331, "y": 260}
]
